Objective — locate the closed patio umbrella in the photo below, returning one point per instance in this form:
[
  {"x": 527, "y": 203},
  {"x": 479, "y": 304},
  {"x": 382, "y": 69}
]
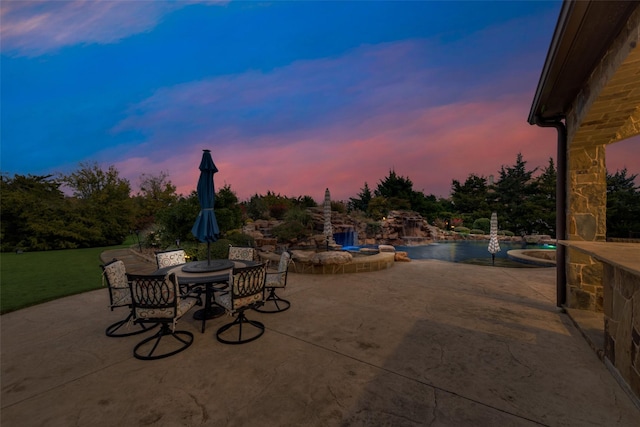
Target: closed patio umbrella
[
  {"x": 206, "y": 227},
  {"x": 494, "y": 246},
  {"x": 328, "y": 228}
]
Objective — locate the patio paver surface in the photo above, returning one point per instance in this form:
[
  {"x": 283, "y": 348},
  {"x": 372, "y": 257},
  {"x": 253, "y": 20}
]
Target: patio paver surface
[{"x": 425, "y": 343}]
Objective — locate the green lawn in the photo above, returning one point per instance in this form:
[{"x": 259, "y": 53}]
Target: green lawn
[{"x": 32, "y": 278}]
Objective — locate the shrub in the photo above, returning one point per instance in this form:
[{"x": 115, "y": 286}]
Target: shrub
[
  {"x": 483, "y": 224},
  {"x": 476, "y": 231},
  {"x": 190, "y": 249},
  {"x": 278, "y": 210},
  {"x": 219, "y": 250},
  {"x": 154, "y": 238},
  {"x": 297, "y": 214},
  {"x": 240, "y": 239},
  {"x": 505, "y": 233},
  {"x": 228, "y": 219},
  {"x": 456, "y": 222},
  {"x": 440, "y": 223},
  {"x": 372, "y": 229},
  {"x": 462, "y": 230},
  {"x": 290, "y": 231},
  {"x": 338, "y": 206}
]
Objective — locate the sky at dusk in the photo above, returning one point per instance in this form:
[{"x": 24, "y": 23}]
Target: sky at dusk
[{"x": 290, "y": 97}]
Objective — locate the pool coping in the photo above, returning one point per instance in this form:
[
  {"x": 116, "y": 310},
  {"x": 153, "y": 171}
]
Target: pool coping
[{"x": 520, "y": 255}]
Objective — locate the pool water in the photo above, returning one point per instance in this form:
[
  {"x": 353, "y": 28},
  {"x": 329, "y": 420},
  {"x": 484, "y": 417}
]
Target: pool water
[{"x": 465, "y": 251}]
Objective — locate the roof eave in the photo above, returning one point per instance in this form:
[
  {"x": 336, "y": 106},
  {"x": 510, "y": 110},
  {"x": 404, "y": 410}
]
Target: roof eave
[{"x": 550, "y": 68}]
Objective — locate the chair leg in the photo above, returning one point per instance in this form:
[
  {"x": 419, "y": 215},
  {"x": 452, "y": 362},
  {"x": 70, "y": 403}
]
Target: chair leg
[
  {"x": 273, "y": 303},
  {"x": 184, "y": 338},
  {"x": 112, "y": 330},
  {"x": 240, "y": 320}
]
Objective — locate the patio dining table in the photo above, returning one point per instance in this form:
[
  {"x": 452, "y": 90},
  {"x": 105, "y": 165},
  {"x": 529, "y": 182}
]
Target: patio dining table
[{"x": 212, "y": 275}]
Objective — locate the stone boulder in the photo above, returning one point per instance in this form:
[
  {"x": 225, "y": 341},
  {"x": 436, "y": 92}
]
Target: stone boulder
[
  {"x": 302, "y": 256},
  {"x": 266, "y": 242},
  {"x": 537, "y": 239},
  {"x": 255, "y": 234},
  {"x": 402, "y": 257},
  {"x": 386, "y": 248},
  {"x": 331, "y": 258}
]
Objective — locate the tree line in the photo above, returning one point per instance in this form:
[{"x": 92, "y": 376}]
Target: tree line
[{"x": 94, "y": 207}]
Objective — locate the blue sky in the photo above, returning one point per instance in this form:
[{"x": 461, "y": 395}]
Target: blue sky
[{"x": 290, "y": 97}]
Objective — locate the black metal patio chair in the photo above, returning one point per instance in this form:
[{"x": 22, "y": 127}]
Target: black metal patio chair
[
  {"x": 157, "y": 299},
  {"x": 246, "y": 291},
  {"x": 276, "y": 280},
  {"x": 114, "y": 274}
]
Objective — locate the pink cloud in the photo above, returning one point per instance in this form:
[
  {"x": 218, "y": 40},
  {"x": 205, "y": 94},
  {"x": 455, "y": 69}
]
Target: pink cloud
[
  {"x": 432, "y": 148},
  {"x": 337, "y": 123},
  {"x": 32, "y": 28}
]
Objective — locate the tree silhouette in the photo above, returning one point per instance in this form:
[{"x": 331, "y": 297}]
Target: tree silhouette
[{"x": 623, "y": 205}]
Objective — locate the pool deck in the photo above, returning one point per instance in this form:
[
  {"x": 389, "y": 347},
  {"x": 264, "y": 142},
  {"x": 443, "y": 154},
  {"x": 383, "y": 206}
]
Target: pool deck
[{"x": 425, "y": 343}]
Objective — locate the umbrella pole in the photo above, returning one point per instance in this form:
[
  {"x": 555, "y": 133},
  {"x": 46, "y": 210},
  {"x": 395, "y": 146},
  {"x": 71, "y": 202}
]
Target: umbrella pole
[
  {"x": 493, "y": 259},
  {"x": 208, "y": 253}
]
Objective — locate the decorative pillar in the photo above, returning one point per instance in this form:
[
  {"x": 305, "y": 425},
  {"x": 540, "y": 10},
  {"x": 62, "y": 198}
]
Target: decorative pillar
[{"x": 586, "y": 221}]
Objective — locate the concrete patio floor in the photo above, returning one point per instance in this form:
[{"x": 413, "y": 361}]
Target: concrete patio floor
[{"x": 425, "y": 343}]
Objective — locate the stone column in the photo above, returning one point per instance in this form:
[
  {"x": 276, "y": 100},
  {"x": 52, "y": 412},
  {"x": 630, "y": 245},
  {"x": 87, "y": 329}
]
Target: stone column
[
  {"x": 587, "y": 221},
  {"x": 622, "y": 324}
]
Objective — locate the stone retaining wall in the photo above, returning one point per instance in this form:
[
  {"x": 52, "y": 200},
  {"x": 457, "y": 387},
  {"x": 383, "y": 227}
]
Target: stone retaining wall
[{"x": 359, "y": 264}]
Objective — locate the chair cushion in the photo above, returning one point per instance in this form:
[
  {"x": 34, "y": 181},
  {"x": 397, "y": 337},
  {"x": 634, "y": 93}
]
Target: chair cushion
[
  {"x": 154, "y": 313},
  {"x": 116, "y": 277},
  {"x": 232, "y": 305},
  {"x": 246, "y": 254},
  {"x": 169, "y": 258},
  {"x": 285, "y": 259},
  {"x": 120, "y": 296},
  {"x": 275, "y": 280},
  {"x": 185, "y": 305}
]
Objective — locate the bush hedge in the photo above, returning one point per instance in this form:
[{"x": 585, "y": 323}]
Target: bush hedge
[{"x": 483, "y": 224}]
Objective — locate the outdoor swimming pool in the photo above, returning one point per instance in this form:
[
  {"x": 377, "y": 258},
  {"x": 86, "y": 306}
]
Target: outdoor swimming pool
[{"x": 465, "y": 251}]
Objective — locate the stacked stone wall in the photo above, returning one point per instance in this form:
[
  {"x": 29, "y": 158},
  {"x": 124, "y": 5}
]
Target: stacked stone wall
[{"x": 622, "y": 324}]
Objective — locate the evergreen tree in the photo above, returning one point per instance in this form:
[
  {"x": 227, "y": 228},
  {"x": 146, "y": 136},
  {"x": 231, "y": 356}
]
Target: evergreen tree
[
  {"x": 228, "y": 212},
  {"x": 470, "y": 199},
  {"x": 623, "y": 205},
  {"x": 378, "y": 208},
  {"x": 513, "y": 196},
  {"x": 394, "y": 186},
  {"x": 361, "y": 203},
  {"x": 544, "y": 201},
  {"x": 429, "y": 207}
]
